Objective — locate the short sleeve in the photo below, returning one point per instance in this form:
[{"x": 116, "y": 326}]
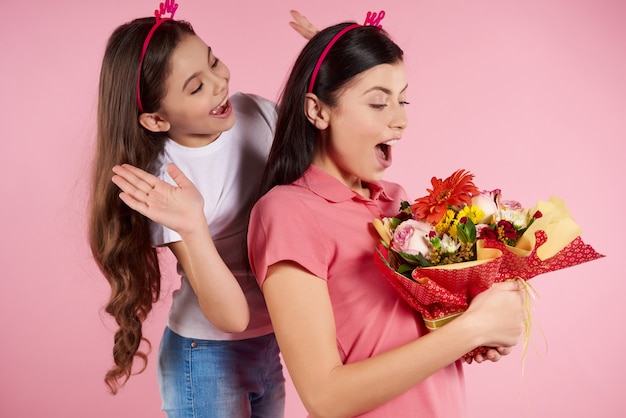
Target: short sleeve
[{"x": 283, "y": 228}]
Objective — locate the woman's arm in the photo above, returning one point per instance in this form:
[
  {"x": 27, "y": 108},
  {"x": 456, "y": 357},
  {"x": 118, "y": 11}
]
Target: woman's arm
[
  {"x": 181, "y": 208},
  {"x": 303, "y": 321}
]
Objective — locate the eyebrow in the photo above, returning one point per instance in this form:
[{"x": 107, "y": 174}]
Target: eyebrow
[
  {"x": 385, "y": 90},
  {"x": 191, "y": 77}
]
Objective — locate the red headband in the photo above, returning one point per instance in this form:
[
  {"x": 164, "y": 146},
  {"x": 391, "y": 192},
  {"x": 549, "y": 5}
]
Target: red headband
[
  {"x": 169, "y": 6},
  {"x": 372, "y": 19}
]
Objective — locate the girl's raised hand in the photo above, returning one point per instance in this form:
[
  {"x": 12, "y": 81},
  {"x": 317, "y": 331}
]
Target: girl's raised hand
[
  {"x": 302, "y": 25},
  {"x": 179, "y": 207}
]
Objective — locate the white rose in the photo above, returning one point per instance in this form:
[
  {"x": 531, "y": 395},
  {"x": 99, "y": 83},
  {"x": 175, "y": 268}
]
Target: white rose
[{"x": 488, "y": 203}]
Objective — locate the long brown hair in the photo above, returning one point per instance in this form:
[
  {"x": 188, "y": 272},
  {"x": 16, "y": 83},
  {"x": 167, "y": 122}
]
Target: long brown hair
[{"x": 120, "y": 237}]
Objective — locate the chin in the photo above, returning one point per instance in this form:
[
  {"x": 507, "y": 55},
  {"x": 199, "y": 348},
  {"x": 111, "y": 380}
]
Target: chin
[
  {"x": 374, "y": 177},
  {"x": 226, "y": 124}
]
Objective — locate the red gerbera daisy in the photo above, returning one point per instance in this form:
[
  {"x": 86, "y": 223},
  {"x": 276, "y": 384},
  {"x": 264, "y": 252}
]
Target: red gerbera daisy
[{"x": 456, "y": 190}]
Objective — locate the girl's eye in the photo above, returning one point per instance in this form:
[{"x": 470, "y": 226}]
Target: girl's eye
[
  {"x": 197, "y": 89},
  {"x": 404, "y": 103},
  {"x": 378, "y": 106},
  {"x": 215, "y": 63}
]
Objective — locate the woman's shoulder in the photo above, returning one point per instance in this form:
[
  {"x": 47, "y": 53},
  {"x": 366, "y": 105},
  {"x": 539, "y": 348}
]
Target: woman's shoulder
[
  {"x": 282, "y": 193},
  {"x": 282, "y": 198}
]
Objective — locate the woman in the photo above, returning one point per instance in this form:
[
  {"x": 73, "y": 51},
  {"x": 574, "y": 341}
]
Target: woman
[{"x": 351, "y": 345}]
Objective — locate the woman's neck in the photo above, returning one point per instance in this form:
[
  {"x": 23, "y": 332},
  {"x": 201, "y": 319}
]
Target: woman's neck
[{"x": 351, "y": 182}]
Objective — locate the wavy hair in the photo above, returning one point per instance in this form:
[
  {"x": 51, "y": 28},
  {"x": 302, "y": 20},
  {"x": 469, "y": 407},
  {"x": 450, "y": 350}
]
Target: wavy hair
[{"x": 119, "y": 237}]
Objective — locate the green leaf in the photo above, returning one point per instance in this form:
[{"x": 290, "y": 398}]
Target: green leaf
[
  {"x": 394, "y": 223},
  {"x": 409, "y": 257},
  {"x": 471, "y": 230},
  {"x": 403, "y": 268},
  {"x": 466, "y": 232},
  {"x": 423, "y": 261},
  {"x": 415, "y": 260}
]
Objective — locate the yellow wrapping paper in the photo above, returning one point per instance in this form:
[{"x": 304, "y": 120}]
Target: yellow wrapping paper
[{"x": 558, "y": 225}]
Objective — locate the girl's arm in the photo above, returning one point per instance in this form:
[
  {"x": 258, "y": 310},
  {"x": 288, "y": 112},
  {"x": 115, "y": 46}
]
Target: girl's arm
[
  {"x": 181, "y": 209},
  {"x": 302, "y": 316}
]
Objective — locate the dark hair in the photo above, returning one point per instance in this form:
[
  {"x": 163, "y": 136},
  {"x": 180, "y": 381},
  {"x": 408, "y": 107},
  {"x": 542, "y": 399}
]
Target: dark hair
[
  {"x": 120, "y": 237},
  {"x": 356, "y": 51}
]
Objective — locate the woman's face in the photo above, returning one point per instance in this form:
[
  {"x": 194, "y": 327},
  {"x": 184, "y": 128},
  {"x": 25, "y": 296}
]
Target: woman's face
[
  {"x": 368, "y": 119},
  {"x": 196, "y": 103}
]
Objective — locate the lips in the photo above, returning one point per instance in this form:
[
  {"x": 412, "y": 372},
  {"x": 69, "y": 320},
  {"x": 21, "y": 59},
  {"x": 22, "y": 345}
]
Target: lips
[{"x": 221, "y": 109}]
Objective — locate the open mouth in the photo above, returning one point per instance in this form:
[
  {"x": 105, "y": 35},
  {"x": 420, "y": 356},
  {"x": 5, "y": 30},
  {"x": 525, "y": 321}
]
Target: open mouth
[
  {"x": 384, "y": 149},
  {"x": 221, "y": 109}
]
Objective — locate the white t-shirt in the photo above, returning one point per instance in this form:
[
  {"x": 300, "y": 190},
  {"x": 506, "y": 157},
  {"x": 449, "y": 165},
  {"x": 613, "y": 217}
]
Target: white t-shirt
[{"x": 227, "y": 172}]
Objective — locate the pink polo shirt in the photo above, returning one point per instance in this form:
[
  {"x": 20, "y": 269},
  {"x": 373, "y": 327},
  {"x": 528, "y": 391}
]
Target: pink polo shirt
[{"x": 325, "y": 227}]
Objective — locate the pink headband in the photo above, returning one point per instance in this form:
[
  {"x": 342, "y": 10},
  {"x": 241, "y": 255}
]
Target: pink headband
[
  {"x": 372, "y": 19},
  {"x": 169, "y": 6}
]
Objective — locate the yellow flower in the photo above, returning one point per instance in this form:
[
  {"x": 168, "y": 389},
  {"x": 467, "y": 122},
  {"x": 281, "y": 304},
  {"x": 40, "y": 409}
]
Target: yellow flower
[
  {"x": 444, "y": 224},
  {"x": 473, "y": 213}
]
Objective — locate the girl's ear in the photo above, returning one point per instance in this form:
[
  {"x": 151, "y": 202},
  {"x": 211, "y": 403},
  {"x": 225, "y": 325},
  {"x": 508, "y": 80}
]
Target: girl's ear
[
  {"x": 154, "y": 122},
  {"x": 316, "y": 112}
]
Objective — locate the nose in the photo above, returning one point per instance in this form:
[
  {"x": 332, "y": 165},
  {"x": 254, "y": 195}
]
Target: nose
[
  {"x": 220, "y": 80},
  {"x": 399, "y": 119}
]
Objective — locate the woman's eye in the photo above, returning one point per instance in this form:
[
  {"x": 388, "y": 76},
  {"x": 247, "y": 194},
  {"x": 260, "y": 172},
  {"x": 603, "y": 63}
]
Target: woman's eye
[
  {"x": 197, "y": 89},
  {"x": 404, "y": 103},
  {"x": 378, "y": 106},
  {"x": 215, "y": 63}
]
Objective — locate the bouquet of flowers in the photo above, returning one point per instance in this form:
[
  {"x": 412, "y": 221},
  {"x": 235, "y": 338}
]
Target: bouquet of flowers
[{"x": 448, "y": 246}]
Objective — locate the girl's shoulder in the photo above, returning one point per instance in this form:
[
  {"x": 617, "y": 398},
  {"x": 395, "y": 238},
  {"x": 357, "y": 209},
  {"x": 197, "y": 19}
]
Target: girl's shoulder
[{"x": 252, "y": 103}]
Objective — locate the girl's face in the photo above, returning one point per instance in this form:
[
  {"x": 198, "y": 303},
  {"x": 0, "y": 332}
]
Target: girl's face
[
  {"x": 368, "y": 119},
  {"x": 196, "y": 104}
]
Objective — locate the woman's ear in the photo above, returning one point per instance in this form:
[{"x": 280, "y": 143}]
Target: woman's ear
[
  {"x": 316, "y": 112},
  {"x": 154, "y": 122}
]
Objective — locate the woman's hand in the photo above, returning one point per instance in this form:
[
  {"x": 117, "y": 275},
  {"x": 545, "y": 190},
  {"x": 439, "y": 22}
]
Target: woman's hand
[
  {"x": 497, "y": 316},
  {"x": 302, "y": 25},
  {"x": 492, "y": 354},
  {"x": 179, "y": 208}
]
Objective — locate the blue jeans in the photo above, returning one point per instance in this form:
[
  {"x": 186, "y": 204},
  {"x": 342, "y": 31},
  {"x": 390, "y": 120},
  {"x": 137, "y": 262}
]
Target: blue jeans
[{"x": 221, "y": 379}]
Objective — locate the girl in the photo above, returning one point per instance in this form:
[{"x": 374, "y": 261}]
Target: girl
[
  {"x": 164, "y": 98},
  {"x": 351, "y": 345}
]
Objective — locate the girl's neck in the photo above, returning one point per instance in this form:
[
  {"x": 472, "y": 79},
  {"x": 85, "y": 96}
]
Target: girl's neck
[{"x": 197, "y": 141}]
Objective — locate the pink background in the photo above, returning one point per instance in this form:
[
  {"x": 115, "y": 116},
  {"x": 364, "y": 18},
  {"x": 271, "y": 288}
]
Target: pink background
[{"x": 529, "y": 95}]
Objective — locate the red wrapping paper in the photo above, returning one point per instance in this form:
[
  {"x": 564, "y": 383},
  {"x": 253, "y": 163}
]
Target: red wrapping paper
[{"x": 441, "y": 293}]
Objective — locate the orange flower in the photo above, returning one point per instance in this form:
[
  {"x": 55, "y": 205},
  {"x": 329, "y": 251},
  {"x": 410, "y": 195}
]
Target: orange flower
[{"x": 454, "y": 191}]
